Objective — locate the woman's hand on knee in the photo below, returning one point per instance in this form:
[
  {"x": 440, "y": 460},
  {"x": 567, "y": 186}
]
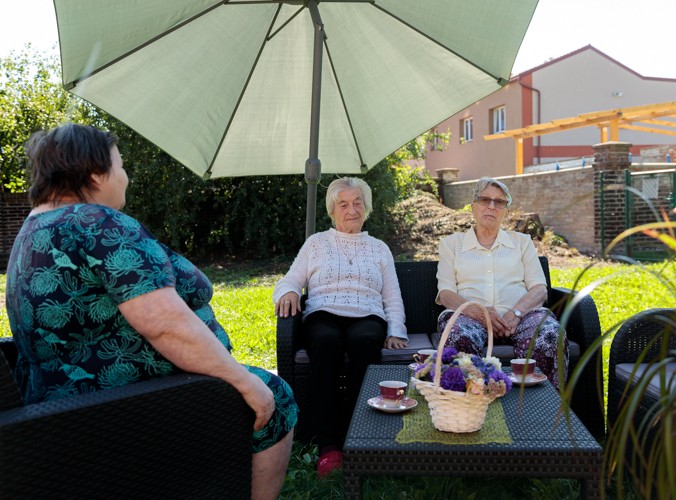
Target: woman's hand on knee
[{"x": 259, "y": 398}]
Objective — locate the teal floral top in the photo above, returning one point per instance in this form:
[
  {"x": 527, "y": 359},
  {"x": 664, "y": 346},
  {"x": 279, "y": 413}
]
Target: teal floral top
[{"x": 68, "y": 271}]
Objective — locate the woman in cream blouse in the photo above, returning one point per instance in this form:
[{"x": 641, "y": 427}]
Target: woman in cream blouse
[{"x": 501, "y": 270}]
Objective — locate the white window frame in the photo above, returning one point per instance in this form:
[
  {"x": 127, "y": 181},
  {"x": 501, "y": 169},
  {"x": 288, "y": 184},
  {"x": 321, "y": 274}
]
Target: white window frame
[
  {"x": 499, "y": 117},
  {"x": 468, "y": 129}
]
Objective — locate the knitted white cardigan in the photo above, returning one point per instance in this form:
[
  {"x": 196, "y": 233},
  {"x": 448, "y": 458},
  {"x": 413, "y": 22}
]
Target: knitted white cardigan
[{"x": 368, "y": 285}]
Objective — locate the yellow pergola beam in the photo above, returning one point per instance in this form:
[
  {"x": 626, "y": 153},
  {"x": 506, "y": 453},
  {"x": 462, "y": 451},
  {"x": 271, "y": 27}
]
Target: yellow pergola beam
[
  {"x": 663, "y": 123},
  {"x": 615, "y": 129},
  {"x": 609, "y": 123},
  {"x": 650, "y": 130},
  {"x": 618, "y": 116},
  {"x": 519, "y": 156},
  {"x": 548, "y": 128}
]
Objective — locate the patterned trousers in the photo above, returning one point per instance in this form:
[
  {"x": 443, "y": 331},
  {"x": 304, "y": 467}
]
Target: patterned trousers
[{"x": 470, "y": 336}]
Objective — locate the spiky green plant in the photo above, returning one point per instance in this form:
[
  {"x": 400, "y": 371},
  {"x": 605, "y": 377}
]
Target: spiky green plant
[{"x": 627, "y": 453}]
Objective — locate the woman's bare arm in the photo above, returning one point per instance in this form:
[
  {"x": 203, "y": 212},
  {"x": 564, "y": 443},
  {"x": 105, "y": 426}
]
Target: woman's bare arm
[{"x": 166, "y": 321}]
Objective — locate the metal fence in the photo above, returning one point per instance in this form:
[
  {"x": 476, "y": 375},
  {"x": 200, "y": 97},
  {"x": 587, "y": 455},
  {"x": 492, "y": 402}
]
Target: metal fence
[{"x": 650, "y": 197}]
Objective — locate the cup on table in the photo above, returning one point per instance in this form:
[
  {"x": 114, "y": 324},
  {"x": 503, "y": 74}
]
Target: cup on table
[
  {"x": 392, "y": 392},
  {"x": 523, "y": 368},
  {"x": 423, "y": 354}
]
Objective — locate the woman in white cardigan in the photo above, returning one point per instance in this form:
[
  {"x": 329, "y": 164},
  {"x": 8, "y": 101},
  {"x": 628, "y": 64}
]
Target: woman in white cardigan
[{"x": 354, "y": 306}]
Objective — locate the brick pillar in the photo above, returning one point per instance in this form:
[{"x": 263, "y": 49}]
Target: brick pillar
[{"x": 611, "y": 159}]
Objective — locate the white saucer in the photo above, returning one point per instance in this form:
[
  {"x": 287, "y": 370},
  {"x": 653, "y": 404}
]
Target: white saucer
[
  {"x": 413, "y": 366},
  {"x": 533, "y": 379},
  {"x": 406, "y": 404}
]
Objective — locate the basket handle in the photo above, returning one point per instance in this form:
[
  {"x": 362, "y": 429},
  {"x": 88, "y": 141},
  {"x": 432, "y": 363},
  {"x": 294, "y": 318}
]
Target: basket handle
[{"x": 447, "y": 331}]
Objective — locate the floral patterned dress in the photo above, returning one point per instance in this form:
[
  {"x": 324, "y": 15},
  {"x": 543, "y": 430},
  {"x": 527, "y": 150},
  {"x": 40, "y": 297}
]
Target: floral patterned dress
[{"x": 68, "y": 271}]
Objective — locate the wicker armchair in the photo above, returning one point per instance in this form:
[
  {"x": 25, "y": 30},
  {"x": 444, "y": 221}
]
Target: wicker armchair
[
  {"x": 629, "y": 342},
  {"x": 183, "y": 436},
  {"x": 418, "y": 283}
]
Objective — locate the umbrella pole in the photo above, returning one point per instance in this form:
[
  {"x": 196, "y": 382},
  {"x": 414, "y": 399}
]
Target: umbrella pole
[{"x": 313, "y": 167}]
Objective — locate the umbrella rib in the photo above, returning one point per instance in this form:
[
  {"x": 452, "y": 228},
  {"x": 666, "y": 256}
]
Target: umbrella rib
[
  {"x": 501, "y": 81},
  {"x": 71, "y": 85},
  {"x": 207, "y": 174},
  {"x": 272, "y": 35},
  {"x": 342, "y": 99}
]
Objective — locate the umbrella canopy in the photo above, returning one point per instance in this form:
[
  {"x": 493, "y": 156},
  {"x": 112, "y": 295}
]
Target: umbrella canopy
[{"x": 226, "y": 87}]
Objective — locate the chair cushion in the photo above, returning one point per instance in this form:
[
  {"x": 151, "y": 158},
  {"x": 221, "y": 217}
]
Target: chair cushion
[
  {"x": 506, "y": 352},
  {"x": 623, "y": 372},
  {"x": 416, "y": 341}
]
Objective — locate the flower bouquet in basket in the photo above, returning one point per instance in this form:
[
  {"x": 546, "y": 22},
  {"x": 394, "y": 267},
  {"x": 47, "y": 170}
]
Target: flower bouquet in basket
[{"x": 459, "y": 387}]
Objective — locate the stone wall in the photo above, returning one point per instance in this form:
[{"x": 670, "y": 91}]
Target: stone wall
[
  {"x": 14, "y": 207},
  {"x": 586, "y": 205},
  {"x": 564, "y": 200}
]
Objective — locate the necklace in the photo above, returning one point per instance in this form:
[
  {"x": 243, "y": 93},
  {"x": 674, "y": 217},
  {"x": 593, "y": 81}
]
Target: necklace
[{"x": 342, "y": 250}]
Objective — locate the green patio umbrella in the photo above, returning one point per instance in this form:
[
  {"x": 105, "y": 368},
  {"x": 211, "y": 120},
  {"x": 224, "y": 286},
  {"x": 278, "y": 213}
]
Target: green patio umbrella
[{"x": 236, "y": 88}]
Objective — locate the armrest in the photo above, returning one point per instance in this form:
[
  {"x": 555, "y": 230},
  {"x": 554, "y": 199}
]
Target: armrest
[
  {"x": 288, "y": 342},
  {"x": 637, "y": 332},
  {"x": 583, "y": 324},
  {"x": 184, "y": 436}
]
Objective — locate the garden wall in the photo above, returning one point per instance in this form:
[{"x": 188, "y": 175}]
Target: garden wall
[
  {"x": 586, "y": 205},
  {"x": 563, "y": 199},
  {"x": 14, "y": 208}
]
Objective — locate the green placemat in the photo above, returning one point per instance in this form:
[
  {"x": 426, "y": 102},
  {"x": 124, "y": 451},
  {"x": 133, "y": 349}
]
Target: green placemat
[{"x": 418, "y": 427}]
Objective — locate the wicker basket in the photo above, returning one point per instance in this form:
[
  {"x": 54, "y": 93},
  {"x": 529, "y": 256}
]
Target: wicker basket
[{"x": 453, "y": 411}]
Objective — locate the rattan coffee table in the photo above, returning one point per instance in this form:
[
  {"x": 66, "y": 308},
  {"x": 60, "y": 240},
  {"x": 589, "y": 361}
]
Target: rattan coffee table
[{"x": 539, "y": 448}]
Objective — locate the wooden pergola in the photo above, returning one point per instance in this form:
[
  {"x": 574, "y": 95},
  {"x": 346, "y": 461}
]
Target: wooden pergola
[{"x": 644, "y": 118}]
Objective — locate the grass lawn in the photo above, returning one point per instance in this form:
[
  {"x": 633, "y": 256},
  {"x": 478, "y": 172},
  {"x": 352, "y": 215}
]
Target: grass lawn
[{"x": 242, "y": 302}]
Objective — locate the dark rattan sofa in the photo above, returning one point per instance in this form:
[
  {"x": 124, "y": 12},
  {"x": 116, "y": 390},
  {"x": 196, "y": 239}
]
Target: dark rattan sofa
[
  {"x": 183, "y": 436},
  {"x": 645, "y": 331},
  {"x": 418, "y": 284}
]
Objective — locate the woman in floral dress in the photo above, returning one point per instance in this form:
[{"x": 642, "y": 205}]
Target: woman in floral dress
[{"x": 95, "y": 301}]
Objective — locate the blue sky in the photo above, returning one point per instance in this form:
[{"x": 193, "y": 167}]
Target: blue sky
[{"x": 639, "y": 35}]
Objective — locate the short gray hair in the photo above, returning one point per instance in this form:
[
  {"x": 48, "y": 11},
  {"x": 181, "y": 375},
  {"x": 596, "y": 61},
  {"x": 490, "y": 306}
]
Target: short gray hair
[
  {"x": 485, "y": 182},
  {"x": 343, "y": 183}
]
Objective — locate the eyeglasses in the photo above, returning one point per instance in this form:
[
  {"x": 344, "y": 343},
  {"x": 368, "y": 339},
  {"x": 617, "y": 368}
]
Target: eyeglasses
[{"x": 485, "y": 201}]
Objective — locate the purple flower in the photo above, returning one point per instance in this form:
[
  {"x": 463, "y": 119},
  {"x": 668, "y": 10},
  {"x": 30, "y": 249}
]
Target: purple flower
[
  {"x": 478, "y": 362},
  {"x": 498, "y": 375},
  {"x": 453, "y": 379},
  {"x": 448, "y": 354}
]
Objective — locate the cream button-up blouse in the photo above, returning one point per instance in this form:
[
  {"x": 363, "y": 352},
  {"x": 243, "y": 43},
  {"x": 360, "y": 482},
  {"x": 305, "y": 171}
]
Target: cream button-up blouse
[{"x": 496, "y": 277}]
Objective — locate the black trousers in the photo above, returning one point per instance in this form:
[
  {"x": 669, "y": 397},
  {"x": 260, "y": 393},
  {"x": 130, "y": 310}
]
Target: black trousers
[{"x": 328, "y": 338}]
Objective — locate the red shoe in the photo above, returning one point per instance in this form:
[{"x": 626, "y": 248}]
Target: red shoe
[{"x": 328, "y": 462}]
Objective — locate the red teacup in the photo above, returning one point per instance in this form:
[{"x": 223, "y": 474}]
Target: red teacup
[
  {"x": 392, "y": 392},
  {"x": 523, "y": 368},
  {"x": 423, "y": 354}
]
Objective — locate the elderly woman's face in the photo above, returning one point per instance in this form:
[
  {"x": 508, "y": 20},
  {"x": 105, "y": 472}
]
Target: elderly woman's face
[
  {"x": 348, "y": 211},
  {"x": 486, "y": 211}
]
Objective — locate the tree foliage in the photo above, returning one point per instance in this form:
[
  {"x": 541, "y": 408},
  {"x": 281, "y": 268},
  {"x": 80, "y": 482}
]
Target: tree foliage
[
  {"x": 256, "y": 217},
  {"x": 31, "y": 99}
]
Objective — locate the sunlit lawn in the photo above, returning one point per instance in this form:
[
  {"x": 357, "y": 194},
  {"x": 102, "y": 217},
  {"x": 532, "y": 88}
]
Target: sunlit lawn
[{"x": 243, "y": 303}]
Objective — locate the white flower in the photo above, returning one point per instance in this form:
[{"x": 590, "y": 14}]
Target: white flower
[
  {"x": 493, "y": 361},
  {"x": 464, "y": 361}
]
